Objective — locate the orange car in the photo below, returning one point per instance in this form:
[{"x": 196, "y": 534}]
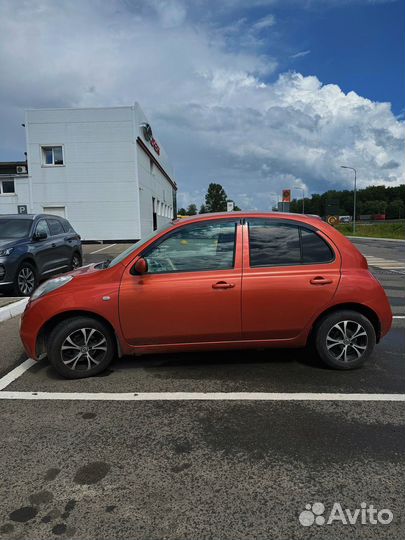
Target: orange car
[{"x": 213, "y": 281}]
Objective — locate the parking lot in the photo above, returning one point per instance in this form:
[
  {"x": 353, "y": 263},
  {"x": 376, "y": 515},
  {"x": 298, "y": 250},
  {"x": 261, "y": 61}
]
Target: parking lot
[{"x": 229, "y": 445}]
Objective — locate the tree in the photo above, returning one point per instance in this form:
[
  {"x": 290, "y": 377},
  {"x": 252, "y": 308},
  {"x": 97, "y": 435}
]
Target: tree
[
  {"x": 216, "y": 198},
  {"x": 191, "y": 210},
  {"x": 182, "y": 212},
  {"x": 395, "y": 209},
  {"x": 203, "y": 209}
]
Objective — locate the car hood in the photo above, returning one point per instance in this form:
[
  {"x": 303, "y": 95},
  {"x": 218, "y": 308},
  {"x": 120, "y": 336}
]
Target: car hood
[
  {"x": 11, "y": 242},
  {"x": 88, "y": 269}
]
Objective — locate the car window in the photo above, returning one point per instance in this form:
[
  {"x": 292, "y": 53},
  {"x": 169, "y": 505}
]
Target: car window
[
  {"x": 314, "y": 248},
  {"x": 67, "y": 227},
  {"x": 193, "y": 248},
  {"x": 14, "y": 228},
  {"x": 42, "y": 226},
  {"x": 55, "y": 227},
  {"x": 273, "y": 243}
]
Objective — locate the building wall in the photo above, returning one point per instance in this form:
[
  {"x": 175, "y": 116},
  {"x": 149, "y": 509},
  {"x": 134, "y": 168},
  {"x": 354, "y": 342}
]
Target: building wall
[
  {"x": 152, "y": 182},
  {"x": 97, "y": 184}
]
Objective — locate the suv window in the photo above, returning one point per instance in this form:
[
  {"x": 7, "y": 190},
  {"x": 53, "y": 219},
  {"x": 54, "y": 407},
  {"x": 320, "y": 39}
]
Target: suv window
[
  {"x": 55, "y": 227},
  {"x": 283, "y": 244},
  {"x": 273, "y": 244},
  {"x": 67, "y": 227},
  {"x": 192, "y": 248},
  {"x": 42, "y": 226},
  {"x": 314, "y": 248}
]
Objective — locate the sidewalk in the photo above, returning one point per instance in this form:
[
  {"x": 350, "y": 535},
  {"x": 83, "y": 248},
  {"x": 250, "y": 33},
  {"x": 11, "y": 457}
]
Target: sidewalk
[
  {"x": 375, "y": 238},
  {"x": 11, "y": 307}
]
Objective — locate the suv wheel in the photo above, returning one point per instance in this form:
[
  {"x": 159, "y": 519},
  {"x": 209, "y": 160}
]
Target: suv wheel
[
  {"x": 26, "y": 280},
  {"x": 76, "y": 261},
  {"x": 80, "y": 347},
  {"x": 345, "y": 339}
]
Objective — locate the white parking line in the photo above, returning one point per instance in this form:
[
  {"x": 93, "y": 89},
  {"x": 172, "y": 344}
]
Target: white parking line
[
  {"x": 198, "y": 396},
  {"x": 16, "y": 372},
  {"x": 101, "y": 249}
]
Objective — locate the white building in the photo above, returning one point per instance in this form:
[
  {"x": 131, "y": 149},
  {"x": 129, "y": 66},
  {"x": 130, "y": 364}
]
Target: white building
[{"x": 101, "y": 168}]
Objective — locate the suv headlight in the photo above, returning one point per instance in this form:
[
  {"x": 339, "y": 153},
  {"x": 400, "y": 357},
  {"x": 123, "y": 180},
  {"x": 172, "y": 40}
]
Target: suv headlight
[
  {"x": 5, "y": 252},
  {"x": 50, "y": 286}
]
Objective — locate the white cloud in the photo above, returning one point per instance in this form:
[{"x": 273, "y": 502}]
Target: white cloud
[
  {"x": 300, "y": 54},
  {"x": 209, "y": 103}
]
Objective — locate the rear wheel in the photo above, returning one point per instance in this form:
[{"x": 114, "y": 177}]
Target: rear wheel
[
  {"x": 80, "y": 347},
  {"x": 76, "y": 261},
  {"x": 26, "y": 280},
  {"x": 345, "y": 339}
]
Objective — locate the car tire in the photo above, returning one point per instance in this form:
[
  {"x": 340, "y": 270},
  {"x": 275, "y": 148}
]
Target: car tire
[
  {"x": 81, "y": 347},
  {"x": 344, "y": 339},
  {"x": 26, "y": 280},
  {"x": 76, "y": 261}
]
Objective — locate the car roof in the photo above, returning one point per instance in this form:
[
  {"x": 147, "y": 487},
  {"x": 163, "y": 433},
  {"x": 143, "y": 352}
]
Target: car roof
[
  {"x": 306, "y": 218},
  {"x": 30, "y": 216}
]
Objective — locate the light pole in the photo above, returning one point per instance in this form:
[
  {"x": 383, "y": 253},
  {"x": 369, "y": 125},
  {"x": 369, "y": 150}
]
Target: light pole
[
  {"x": 277, "y": 195},
  {"x": 303, "y": 197},
  {"x": 354, "y": 195}
]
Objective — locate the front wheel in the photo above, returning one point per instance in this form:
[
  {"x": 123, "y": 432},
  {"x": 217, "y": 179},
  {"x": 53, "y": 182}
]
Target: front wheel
[
  {"x": 26, "y": 280},
  {"x": 345, "y": 339},
  {"x": 80, "y": 347}
]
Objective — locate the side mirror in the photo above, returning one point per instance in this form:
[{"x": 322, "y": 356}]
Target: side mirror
[
  {"x": 141, "y": 266},
  {"x": 41, "y": 235}
]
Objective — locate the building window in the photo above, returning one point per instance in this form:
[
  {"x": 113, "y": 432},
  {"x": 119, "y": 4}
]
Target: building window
[
  {"x": 52, "y": 155},
  {"x": 7, "y": 187}
]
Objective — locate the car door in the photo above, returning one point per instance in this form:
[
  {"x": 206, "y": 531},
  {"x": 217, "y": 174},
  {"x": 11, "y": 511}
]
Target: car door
[
  {"x": 42, "y": 249},
  {"x": 192, "y": 289},
  {"x": 290, "y": 273},
  {"x": 61, "y": 253}
]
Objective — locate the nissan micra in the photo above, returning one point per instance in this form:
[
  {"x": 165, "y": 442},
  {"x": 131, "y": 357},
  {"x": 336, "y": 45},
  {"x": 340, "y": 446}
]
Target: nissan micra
[{"x": 210, "y": 282}]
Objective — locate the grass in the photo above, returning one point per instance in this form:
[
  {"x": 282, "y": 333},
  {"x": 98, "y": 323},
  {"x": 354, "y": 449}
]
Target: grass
[{"x": 377, "y": 230}]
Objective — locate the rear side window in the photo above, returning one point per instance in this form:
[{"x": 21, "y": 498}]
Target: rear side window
[
  {"x": 273, "y": 244},
  {"x": 283, "y": 244},
  {"x": 55, "y": 227},
  {"x": 314, "y": 248},
  {"x": 67, "y": 226}
]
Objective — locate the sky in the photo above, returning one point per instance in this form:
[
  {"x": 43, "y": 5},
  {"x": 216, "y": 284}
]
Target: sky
[{"x": 257, "y": 95}]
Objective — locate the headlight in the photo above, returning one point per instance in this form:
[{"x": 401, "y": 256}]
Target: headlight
[
  {"x": 5, "y": 252},
  {"x": 50, "y": 286}
]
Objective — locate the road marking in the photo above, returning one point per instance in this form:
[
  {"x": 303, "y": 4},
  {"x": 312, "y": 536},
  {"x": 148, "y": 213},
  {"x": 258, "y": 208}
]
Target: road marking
[
  {"x": 16, "y": 372},
  {"x": 386, "y": 264},
  {"x": 197, "y": 396},
  {"x": 101, "y": 249}
]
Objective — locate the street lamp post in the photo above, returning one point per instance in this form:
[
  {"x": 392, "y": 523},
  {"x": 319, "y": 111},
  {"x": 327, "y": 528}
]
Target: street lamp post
[
  {"x": 303, "y": 197},
  {"x": 354, "y": 195}
]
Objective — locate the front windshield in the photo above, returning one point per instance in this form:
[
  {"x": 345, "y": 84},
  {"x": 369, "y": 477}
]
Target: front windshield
[
  {"x": 138, "y": 244},
  {"x": 14, "y": 228}
]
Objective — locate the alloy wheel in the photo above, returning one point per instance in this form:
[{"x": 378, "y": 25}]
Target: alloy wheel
[
  {"x": 84, "y": 349},
  {"x": 26, "y": 280},
  {"x": 75, "y": 262},
  {"x": 347, "y": 341}
]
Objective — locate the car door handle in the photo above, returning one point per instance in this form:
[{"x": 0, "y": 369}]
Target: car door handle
[
  {"x": 223, "y": 285},
  {"x": 53, "y": 245},
  {"x": 319, "y": 280}
]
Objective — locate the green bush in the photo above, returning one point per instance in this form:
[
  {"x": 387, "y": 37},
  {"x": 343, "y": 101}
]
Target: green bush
[{"x": 376, "y": 230}]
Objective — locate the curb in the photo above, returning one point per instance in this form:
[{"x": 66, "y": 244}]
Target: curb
[{"x": 12, "y": 310}]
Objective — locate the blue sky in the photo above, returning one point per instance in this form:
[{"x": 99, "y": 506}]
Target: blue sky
[
  {"x": 258, "y": 95},
  {"x": 359, "y": 47}
]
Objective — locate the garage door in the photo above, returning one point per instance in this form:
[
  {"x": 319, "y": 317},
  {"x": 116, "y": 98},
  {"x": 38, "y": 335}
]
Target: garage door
[{"x": 55, "y": 210}]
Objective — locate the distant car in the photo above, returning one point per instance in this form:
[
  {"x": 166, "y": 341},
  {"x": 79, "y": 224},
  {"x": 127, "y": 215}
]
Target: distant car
[
  {"x": 214, "y": 281},
  {"x": 345, "y": 219},
  {"x": 33, "y": 248}
]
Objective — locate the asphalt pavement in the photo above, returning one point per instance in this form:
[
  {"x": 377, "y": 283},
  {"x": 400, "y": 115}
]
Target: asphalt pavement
[{"x": 212, "y": 469}]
